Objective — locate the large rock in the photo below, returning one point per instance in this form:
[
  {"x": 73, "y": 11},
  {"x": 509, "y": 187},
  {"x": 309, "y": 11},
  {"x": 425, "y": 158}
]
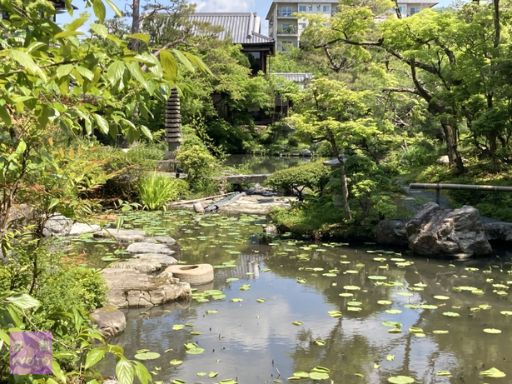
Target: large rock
[
  {"x": 435, "y": 232},
  {"x": 57, "y": 225},
  {"x": 131, "y": 288},
  {"x": 391, "y": 232},
  {"x": 110, "y": 320},
  {"x": 498, "y": 231},
  {"x": 147, "y": 247}
]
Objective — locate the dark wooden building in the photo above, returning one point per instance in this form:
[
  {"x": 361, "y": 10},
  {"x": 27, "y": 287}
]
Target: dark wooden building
[{"x": 243, "y": 29}]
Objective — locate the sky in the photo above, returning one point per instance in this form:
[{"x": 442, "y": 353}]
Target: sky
[{"x": 261, "y": 7}]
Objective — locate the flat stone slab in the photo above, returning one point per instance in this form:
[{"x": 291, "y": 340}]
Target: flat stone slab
[
  {"x": 147, "y": 247},
  {"x": 78, "y": 229},
  {"x": 110, "y": 320},
  {"x": 257, "y": 205},
  {"x": 134, "y": 289},
  {"x": 123, "y": 235},
  {"x": 167, "y": 240},
  {"x": 146, "y": 262}
]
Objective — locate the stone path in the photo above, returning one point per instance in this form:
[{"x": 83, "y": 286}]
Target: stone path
[
  {"x": 248, "y": 204},
  {"x": 140, "y": 281}
]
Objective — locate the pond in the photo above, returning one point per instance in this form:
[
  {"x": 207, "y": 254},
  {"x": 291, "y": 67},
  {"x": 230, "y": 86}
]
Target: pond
[
  {"x": 262, "y": 164},
  {"x": 368, "y": 315}
]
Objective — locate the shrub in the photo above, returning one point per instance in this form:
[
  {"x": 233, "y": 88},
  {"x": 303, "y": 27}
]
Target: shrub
[
  {"x": 295, "y": 180},
  {"x": 156, "y": 190},
  {"x": 72, "y": 288},
  {"x": 199, "y": 165}
]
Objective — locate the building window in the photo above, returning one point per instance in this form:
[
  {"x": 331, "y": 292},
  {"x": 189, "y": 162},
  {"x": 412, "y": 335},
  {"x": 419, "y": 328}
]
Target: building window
[
  {"x": 310, "y": 8},
  {"x": 414, "y": 10},
  {"x": 303, "y": 8},
  {"x": 319, "y": 8},
  {"x": 327, "y": 9},
  {"x": 285, "y": 12},
  {"x": 403, "y": 10}
]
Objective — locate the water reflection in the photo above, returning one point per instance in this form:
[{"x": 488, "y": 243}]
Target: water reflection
[{"x": 256, "y": 342}]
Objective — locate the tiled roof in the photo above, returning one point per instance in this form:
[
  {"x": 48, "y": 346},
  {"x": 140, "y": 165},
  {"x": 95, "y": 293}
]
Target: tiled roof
[{"x": 242, "y": 28}]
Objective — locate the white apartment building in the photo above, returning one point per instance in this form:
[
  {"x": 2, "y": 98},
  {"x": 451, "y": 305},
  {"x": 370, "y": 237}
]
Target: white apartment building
[{"x": 286, "y": 29}]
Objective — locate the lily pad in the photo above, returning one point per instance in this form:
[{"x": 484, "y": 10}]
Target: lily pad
[
  {"x": 335, "y": 314},
  {"x": 492, "y": 331},
  {"x": 193, "y": 349},
  {"x": 451, "y": 314},
  {"x": 494, "y": 373},
  {"x": 147, "y": 356},
  {"x": 352, "y": 288},
  {"x": 400, "y": 380}
]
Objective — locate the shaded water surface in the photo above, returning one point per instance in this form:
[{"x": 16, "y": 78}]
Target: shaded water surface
[
  {"x": 400, "y": 316},
  {"x": 263, "y": 164}
]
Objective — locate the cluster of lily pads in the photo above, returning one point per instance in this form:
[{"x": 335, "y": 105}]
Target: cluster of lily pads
[{"x": 378, "y": 283}]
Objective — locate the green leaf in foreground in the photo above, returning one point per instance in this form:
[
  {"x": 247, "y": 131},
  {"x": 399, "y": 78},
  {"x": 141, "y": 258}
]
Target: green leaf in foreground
[{"x": 124, "y": 372}]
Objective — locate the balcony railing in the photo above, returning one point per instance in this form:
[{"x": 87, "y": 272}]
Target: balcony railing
[{"x": 287, "y": 30}]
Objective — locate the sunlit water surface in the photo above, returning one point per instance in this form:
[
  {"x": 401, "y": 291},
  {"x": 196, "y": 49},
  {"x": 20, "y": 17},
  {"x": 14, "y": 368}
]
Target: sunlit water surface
[{"x": 400, "y": 315}]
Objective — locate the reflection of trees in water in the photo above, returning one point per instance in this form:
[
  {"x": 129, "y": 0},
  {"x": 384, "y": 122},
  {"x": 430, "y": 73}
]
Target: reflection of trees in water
[
  {"x": 344, "y": 354},
  {"x": 465, "y": 351}
]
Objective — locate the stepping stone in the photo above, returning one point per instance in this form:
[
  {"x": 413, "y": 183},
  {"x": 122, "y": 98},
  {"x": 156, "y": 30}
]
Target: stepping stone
[
  {"x": 82, "y": 228},
  {"x": 168, "y": 240},
  {"x": 146, "y": 247},
  {"x": 123, "y": 235}
]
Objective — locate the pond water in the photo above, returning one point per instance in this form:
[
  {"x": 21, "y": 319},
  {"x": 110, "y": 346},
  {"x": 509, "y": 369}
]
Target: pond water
[
  {"x": 280, "y": 304},
  {"x": 262, "y": 164}
]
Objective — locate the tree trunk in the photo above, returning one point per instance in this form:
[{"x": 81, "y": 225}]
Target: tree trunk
[
  {"x": 343, "y": 171},
  {"x": 450, "y": 135},
  {"x": 134, "y": 44}
]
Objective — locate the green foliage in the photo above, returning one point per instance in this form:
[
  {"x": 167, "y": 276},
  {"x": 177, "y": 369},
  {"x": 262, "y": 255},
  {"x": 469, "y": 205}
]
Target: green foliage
[
  {"x": 200, "y": 165},
  {"x": 156, "y": 190},
  {"x": 70, "y": 288},
  {"x": 313, "y": 176},
  {"x": 77, "y": 346}
]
